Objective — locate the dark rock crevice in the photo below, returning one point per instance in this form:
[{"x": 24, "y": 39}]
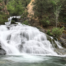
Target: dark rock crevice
[{"x": 2, "y": 51}]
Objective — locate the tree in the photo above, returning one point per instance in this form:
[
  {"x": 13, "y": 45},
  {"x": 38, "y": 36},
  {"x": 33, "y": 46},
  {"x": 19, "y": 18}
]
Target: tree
[
  {"x": 57, "y": 4},
  {"x": 62, "y": 15},
  {"x": 15, "y": 7},
  {"x": 5, "y": 1},
  {"x": 47, "y": 10},
  {"x": 3, "y": 13},
  {"x": 43, "y": 10}
]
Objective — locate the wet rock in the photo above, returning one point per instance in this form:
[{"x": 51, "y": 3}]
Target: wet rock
[
  {"x": 42, "y": 29},
  {"x": 52, "y": 41},
  {"x": 63, "y": 36},
  {"x": 2, "y": 51},
  {"x": 60, "y": 51},
  {"x": 15, "y": 20},
  {"x": 63, "y": 42}
]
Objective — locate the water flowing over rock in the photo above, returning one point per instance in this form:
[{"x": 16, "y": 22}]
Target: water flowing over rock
[
  {"x": 10, "y": 19},
  {"x": 18, "y": 38}
]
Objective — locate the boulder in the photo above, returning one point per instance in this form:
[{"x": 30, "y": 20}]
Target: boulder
[
  {"x": 2, "y": 51},
  {"x": 63, "y": 42},
  {"x": 61, "y": 51}
]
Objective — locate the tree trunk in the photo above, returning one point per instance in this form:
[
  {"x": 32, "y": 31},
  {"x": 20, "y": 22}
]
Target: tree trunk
[{"x": 5, "y": 1}]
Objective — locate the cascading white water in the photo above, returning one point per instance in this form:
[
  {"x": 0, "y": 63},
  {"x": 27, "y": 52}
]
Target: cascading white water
[
  {"x": 20, "y": 38},
  {"x": 9, "y": 19}
]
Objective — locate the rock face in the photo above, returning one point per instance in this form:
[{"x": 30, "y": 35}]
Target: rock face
[
  {"x": 15, "y": 20},
  {"x": 60, "y": 51},
  {"x": 63, "y": 42},
  {"x": 2, "y": 51}
]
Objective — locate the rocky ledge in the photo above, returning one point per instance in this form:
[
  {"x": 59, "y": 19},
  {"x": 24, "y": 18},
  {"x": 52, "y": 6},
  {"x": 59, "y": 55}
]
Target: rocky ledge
[
  {"x": 2, "y": 51},
  {"x": 63, "y": 40}
]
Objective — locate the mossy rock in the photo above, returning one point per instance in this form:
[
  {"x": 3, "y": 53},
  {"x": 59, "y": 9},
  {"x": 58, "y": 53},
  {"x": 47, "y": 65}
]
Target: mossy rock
[
  {"x": 13, "y": 22},
  {"x": 52, "y": 41}
]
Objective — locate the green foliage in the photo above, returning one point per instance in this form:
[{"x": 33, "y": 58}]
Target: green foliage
[
  {"x": 24, "y": 15},
  {"x": 26, "y": 22},
  {"x": 45, "y": 21},
  {"x": 13, "y": 22},
  {"x": 1, "y": 7},
  {"x": 49, "y": 32},
  {"x": 15, "y": 7},
  {"x": 57, "y": 4},
  {"x": 57, "y": 32},
  {"x": 44, "y": 11},
  {"x": 62, "y": 17},
  {"x": 41, "y": 7},
  {"x": 25, "y": 2},
  {"x": 1, "y": 1},
  {"x": 51, "y": 8},
  {"x": 3, "y": 18},
  {"x": 24, "y": 18}
]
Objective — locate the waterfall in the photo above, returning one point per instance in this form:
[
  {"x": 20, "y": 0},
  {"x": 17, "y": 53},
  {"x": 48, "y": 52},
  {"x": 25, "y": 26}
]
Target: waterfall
[
  {"x": 20, "y": 38},
  {"x": 10, "y": 18}
]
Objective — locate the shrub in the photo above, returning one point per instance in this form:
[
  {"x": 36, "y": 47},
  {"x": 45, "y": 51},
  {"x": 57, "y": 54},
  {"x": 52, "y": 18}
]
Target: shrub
[
  {"x": 0, "y": 1},
  {"x": 13, "y": 22},
  {"x": 1, "y": 7},
  {"x": 45, "y": 22},
  {"x": 15, "y": 7},
  {"x": 57, "y": 32},
  {"x": 3, "y": 18},
  {"x": 24, "y": 15},
  {"x": 26, "y": 22},
  {"x": 49, "y": 32},
  {"x": 24, "y": 19}
]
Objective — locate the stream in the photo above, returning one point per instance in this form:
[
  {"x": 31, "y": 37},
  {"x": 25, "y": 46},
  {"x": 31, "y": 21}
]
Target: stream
[{"x": 43, "y": 61}]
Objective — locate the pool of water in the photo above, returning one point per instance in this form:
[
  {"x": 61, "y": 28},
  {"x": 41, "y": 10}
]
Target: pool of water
[{"x": 32, "y": 61}]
